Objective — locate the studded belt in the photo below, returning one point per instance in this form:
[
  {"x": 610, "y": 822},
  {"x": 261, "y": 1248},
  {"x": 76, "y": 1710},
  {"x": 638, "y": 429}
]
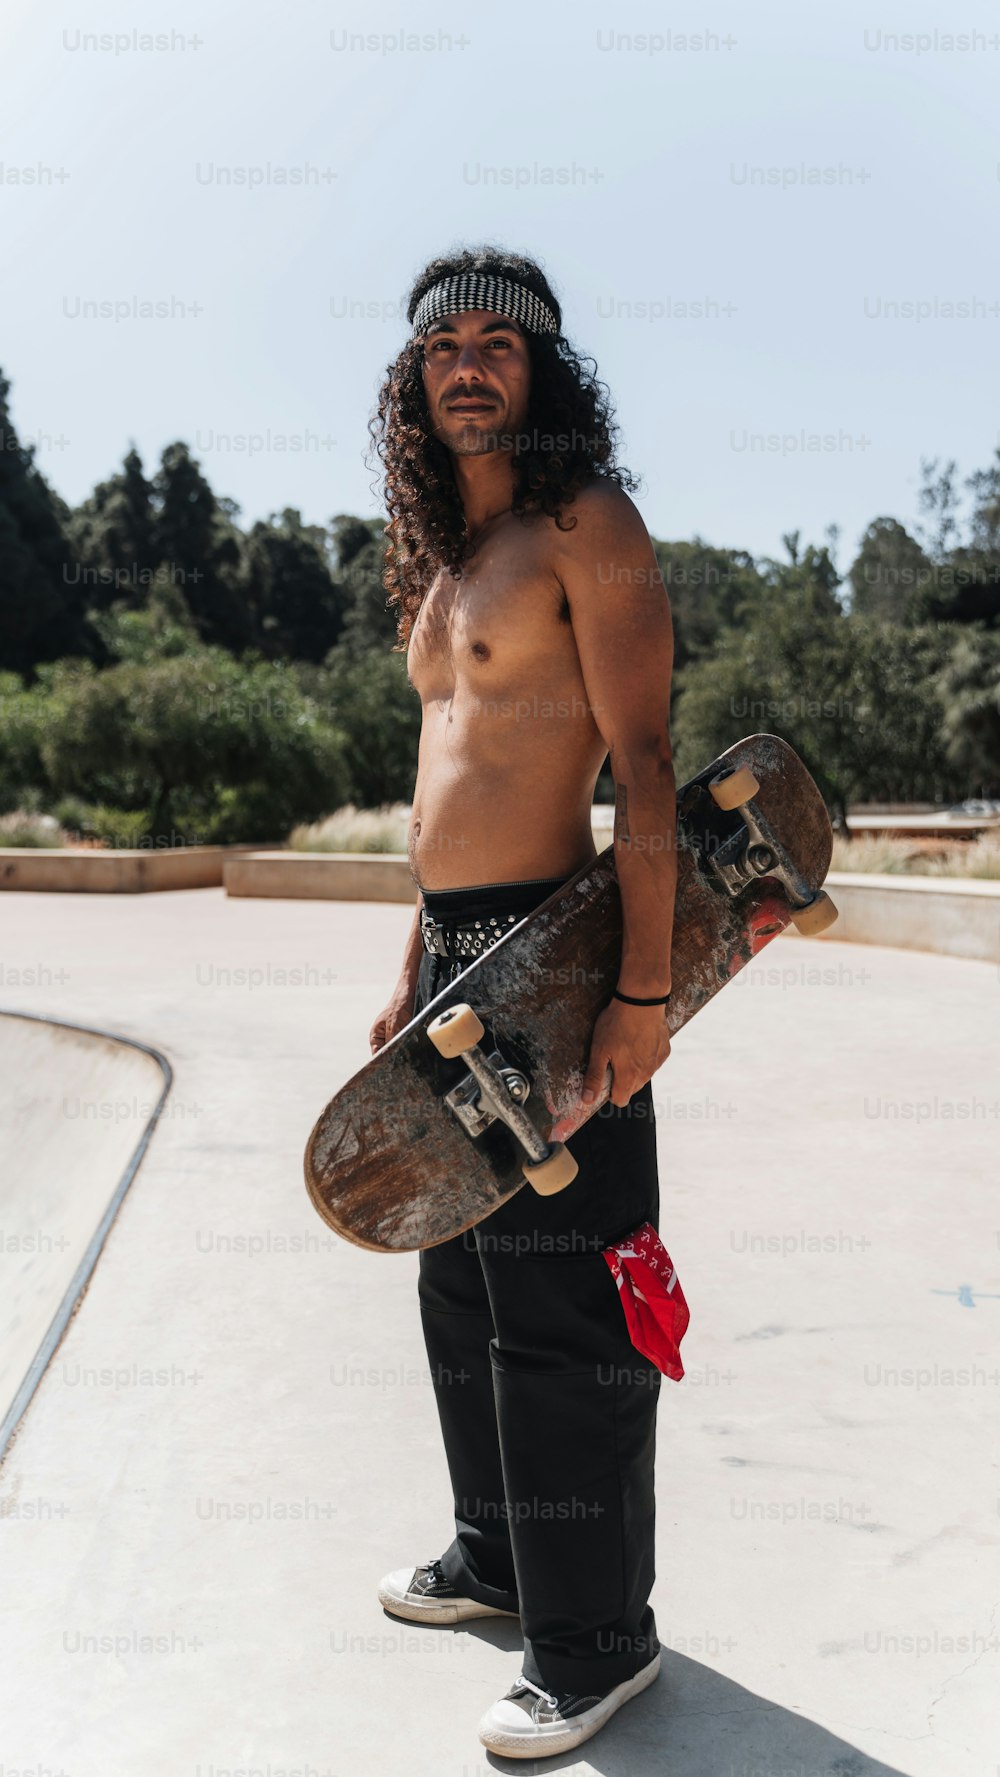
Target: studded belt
[{"x": 464, "y": 937}]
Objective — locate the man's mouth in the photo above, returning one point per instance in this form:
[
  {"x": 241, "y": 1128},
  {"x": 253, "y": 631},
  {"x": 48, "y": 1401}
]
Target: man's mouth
[{"x": 470, "y": 407}]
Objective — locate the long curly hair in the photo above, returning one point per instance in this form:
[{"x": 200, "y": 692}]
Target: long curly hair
[{"x": 568, "y": 439}]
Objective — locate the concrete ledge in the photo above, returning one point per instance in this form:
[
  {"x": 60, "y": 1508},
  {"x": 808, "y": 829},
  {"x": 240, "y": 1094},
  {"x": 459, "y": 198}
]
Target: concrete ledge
[
  {"x": 917, "y": 826},
  {"x": 321, "y": 876},
  {"x": 942, "y": 914},
  {"x": 946, "y": 915},
  {"x": 123, "y": 871}
]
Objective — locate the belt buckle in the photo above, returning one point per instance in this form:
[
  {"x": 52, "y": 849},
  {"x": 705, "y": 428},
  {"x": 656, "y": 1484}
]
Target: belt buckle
[{"x": 432, "y": 934}]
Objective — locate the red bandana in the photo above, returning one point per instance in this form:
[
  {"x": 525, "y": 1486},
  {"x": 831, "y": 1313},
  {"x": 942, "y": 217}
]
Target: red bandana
[{"x": 648, "y": 1287}]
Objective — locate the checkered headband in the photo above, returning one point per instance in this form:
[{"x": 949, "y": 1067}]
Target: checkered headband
[{"x": 473, "y": 290}]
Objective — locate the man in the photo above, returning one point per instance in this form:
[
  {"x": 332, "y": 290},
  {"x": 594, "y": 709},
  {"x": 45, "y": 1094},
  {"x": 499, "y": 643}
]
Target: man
[{"x": 539, "y": 640}]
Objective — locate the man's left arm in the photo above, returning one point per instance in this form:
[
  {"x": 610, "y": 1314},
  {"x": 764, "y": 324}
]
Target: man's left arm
[{"x": 621, "y": 621}]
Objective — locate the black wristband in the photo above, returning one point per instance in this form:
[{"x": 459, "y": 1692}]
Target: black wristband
[{"x": 661, "y": 1000}]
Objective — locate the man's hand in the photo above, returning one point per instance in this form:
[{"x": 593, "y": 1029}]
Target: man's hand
[
  {"x": 397, "y": 1013},
  {"x": 633, "y": 1041}
]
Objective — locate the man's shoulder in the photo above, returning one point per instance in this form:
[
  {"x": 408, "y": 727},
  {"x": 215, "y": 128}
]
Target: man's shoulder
[{"x": 600, "y": 515}]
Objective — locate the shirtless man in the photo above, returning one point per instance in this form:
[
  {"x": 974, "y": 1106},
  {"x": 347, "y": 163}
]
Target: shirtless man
[{"x": 539, "y": 640}]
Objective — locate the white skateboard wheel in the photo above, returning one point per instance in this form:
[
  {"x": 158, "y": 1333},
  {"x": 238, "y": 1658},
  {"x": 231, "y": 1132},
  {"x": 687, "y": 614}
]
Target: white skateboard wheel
[
  {"x": 739, "y": 786},
  {"x": 454, "y": 1031},
  {"x": 817, "y": 917},
  {"x": 552, "y": 1174}
]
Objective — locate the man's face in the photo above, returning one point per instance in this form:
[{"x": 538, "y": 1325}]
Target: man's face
[{"x": 477, "y": 378}]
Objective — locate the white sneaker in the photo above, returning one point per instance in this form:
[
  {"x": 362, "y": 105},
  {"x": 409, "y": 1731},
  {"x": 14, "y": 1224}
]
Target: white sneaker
[
  {"x": 424, "y": 1595},
  {"x": 532, "y": 1723}
]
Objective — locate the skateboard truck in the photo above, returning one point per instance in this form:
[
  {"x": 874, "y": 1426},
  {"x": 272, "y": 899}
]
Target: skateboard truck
[
  {"x": 744, "y": 858},
  {"x": 493, "y": 1090}
]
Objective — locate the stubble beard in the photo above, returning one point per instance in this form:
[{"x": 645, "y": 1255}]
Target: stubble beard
[{"x": 469, "y": 440}]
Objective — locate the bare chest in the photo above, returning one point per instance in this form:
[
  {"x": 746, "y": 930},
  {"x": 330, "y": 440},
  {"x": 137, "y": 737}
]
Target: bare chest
[{"x": 506, "y": 617}]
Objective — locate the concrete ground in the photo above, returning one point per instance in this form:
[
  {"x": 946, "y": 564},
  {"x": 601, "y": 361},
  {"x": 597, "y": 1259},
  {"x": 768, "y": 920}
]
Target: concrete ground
[{"x": 237, "y": 1436}]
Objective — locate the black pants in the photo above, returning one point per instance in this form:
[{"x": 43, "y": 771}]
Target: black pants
[{"x": 547, "y": 1409}]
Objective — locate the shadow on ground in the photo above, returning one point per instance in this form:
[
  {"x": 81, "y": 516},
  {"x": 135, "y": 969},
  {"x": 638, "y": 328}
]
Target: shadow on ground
[{"x": 695, "y": 1722}]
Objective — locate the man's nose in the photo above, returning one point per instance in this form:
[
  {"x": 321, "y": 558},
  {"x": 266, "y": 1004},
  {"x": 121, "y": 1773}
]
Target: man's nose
[{"x": 470, "y": 359}]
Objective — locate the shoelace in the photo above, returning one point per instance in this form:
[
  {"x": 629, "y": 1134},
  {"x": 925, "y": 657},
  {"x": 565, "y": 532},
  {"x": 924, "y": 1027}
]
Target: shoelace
[{"x": 546, "y": 1696}]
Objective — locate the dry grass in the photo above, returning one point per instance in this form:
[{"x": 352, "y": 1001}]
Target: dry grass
[
  {"x": 877, "y": 854},
  {"x": 21, "y": 828},
  {"x": 356, "y": 829},
  {"x": 981, "y": 858},
  {"x": 384, "y": 830}
]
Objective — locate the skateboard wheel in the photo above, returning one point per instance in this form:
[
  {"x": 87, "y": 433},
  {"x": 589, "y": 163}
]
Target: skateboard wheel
[
  {"x": 554, "y": 1174},
  {"x": 455, "y": 1031},
  {"x": 817, "y": 917},
  {"x": 739, "y": 786}
]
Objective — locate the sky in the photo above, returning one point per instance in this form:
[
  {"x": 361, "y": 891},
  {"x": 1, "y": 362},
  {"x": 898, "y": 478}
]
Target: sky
[{"x": 762, "y": 222}]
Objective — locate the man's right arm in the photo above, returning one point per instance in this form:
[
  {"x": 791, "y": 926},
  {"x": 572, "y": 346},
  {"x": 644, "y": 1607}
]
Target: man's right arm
[
  {"x": 399, "y": 1010},
  {"x": 414, "y": 951}
]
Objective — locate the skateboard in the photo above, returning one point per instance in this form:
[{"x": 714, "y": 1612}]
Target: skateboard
[{"x": 453, "y": 1115}]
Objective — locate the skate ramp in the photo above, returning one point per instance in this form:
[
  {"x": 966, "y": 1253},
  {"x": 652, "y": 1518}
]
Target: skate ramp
[{"x": 76, "y": 1111}]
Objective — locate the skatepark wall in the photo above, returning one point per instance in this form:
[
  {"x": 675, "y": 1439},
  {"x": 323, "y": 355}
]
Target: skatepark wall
[
  {"x": 946, "y": 915},
  {"x": 949, "y": 916},
  {"x": 125, "y": 870}
]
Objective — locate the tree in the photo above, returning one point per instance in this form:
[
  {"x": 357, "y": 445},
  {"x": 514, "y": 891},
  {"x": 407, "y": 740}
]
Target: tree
[
  {"x": 199, "y": 549},
  {"x": 158, "y": 630},
  {"x": 965, "y": 584},
  {"x": 42, "y": 603},
  {"x": 351, "y": 535},
  {"x": 970, "y": 588},
  {"x": 970, "y": 692},
  {"x": 708, "y": 588},
  {"x": 115, "y": 536},
  {"x": 297, "y": 609},
  {"x": 373, "y": 705},
  {"x": 890, "y": 574},
  {"x": 369, "y": 622},
  {"x": 855, "y": 697},
  {"x": 939, "y": 501},
  {"x": 22, "y": 724},
  {"x": 809, "y": 579}
]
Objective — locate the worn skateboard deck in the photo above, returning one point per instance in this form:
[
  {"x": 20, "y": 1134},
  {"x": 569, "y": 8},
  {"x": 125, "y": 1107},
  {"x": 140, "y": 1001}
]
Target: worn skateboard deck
[{"x": 389, "y": 1166}]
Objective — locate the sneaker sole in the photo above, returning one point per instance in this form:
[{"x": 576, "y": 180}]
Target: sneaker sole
[
  {"x": 458, "y": 1611},
  {"x": 548, "y": 1745}
]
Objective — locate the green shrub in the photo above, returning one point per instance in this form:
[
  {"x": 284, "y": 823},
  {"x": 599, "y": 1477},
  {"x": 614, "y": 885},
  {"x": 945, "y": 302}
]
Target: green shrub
[
  {"x": 122, "y": 828},
  {"x": 73, "y": 813},
  {"x": 195, "y": 747},
  {"x": 373, "y": 705},
  {"x": 22, "y": 723}
]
